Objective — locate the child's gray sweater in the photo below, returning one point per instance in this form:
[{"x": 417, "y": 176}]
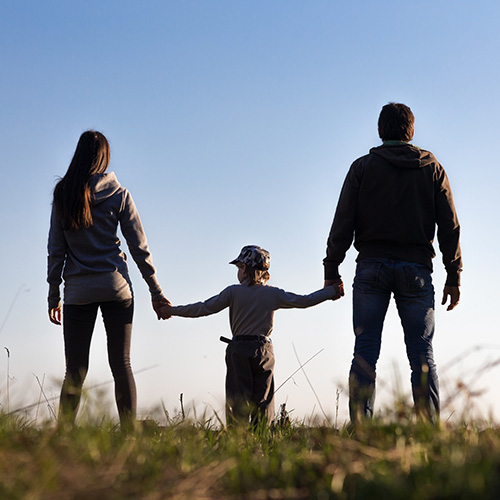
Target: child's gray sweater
[
  {"x": 90, "y": 260},
  {"x": 251, "y": 308}
]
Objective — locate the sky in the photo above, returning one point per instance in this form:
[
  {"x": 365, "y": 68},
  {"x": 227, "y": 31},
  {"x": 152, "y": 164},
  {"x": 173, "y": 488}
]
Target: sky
[{"x": 232, "y": 123}]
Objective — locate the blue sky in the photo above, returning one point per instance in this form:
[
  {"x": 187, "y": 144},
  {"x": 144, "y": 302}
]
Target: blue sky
[{"x": 235, "y": 122}]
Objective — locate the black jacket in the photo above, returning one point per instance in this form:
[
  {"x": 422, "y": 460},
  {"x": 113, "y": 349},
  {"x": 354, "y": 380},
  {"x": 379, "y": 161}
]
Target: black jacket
[{"x": 390, "y": 203}]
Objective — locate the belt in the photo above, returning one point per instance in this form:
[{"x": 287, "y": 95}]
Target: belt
[
  {"x": 263, "y": 338},
  {"x": 246, "y": 338}
]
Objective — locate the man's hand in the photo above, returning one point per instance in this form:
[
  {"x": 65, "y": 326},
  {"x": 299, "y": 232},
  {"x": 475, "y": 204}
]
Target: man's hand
[
  {"x": 55, "y": 315},
  {"x": 158, "y": 305},
  {"x": 454, "y": 293},
  {"x": 338, "y": 285}
]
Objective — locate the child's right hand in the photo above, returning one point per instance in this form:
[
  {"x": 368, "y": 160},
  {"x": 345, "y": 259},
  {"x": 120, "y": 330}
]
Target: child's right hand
[{"x": 166, "y": 311}]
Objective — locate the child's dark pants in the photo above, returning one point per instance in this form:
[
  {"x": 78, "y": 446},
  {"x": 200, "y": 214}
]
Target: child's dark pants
[{"x": 250, "y": 380}]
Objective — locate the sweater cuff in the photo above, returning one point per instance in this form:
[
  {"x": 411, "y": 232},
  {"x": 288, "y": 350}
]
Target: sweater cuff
[
  {"x": 157, "y": 295},
  {"x": 54, "y": 298},
  {"x": 331, "y": 271},
  {"x": 154, "y": 288},
  {"x": 453, "y": 278}
]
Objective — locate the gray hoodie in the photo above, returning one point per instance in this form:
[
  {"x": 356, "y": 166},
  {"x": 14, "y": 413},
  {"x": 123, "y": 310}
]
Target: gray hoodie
[{"x": 90, "y": 260}]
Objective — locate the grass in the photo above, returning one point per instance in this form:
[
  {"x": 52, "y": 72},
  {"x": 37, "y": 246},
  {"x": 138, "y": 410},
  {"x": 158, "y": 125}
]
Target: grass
[
  {"x": 389, "y": 458},
  {"x": 179, "y": 457}
]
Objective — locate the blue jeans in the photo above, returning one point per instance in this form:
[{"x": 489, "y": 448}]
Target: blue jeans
[{"x": 376, "y": 279}]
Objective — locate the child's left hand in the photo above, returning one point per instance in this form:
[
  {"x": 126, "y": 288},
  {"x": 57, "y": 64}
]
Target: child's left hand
[
  {"x": 165, "y": 311},
  {"x": 158, "y": 305}
]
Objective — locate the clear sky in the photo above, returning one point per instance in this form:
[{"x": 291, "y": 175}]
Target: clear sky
[{"x": 234, "y": 122}]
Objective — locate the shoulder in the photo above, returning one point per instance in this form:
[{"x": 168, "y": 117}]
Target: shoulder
[
  {"x": 231, "y": 290},
  {"x": 360, "y": 162},
  {"x": 119, "y": 190},
  {"x": 430, "y": 162},
  {"x": 359, "y": 166},
  {"x": 428, "y": 157}
]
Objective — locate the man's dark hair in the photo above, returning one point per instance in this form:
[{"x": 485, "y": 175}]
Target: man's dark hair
[{"x": 396, "y": 123}]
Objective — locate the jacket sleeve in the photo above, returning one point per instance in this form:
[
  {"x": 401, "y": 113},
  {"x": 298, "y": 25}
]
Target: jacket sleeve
[
  {"x": 288, "y": 300},
  {"x": 448, "y": 229},
  {"x": 342, "y": 230},
  {"x": 132, "y": 230},
  {"x": 211, "y": 306},
  {"x": 56, "y": 250}
]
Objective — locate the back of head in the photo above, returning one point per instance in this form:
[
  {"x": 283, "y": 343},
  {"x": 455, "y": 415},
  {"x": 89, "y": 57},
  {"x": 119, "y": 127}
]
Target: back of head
[
  {"x": 91, "y": 155},
  {"x": 257, "y": 261},
  {"x": 396, "y": 123},
  {"x": 72, "y": 196}
]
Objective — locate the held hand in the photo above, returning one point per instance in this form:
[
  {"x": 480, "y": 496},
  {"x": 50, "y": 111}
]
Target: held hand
[
  {"x": 55, "y": 315},
  {"x": 166, "y": 311},
  {"x": 158, "y": 305},
  {"x": 338, "y": 284},
  {"x": 454, "y": 293}
]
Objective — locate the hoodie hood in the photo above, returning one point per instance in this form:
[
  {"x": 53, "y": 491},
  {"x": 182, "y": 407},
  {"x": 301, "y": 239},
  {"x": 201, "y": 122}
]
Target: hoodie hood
[
  {"x": 404, "y": 155},
  {"x": 103, "y": 186}
]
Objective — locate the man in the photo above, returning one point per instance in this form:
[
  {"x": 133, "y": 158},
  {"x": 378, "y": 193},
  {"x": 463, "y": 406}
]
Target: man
[{"x": 391, "y": 202}]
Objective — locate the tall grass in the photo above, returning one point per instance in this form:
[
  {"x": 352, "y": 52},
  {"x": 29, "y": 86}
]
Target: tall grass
[{"x": 391, "y": 457}]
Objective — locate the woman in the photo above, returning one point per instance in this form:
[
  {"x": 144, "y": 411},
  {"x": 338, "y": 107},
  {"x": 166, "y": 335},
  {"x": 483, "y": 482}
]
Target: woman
[{"x": 84, "y": 250}]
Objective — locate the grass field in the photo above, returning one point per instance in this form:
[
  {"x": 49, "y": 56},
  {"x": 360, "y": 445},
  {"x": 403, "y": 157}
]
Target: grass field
[{"x": 391, "y": 458}]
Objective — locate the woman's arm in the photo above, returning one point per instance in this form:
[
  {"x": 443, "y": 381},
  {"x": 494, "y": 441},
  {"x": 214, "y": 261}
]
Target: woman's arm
[
  {"x": 57, "y": 250},
  {"x": 131, "y": 227}
]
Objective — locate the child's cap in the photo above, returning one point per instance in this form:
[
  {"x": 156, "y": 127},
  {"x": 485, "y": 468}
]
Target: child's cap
[{"x": 255, "y": 257}]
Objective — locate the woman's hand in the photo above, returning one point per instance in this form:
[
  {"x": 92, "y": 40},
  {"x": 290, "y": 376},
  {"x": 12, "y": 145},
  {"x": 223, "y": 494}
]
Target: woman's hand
[
  {"x": 55, "y": 315},
  {"x": 158, "y": 305},
  {"x": 166, "y": 311}
]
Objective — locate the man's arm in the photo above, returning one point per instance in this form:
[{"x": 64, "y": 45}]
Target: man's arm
[
  {"x": 448, "y": 229},
  {"x": 342, "y": 230},
  {"x": 448, "y": 234}
]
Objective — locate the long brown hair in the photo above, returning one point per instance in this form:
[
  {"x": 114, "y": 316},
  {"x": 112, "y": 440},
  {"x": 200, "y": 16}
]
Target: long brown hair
[{"x": 72, "y": 194}]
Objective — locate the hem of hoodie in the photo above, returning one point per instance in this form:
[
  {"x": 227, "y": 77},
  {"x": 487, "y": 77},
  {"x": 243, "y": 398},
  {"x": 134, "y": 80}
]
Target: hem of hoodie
[{"x": 414, "y": 255}]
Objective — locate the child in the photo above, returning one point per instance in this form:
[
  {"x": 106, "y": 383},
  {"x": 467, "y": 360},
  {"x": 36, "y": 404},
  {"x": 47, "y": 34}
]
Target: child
[{"x": 249, "y": 355}]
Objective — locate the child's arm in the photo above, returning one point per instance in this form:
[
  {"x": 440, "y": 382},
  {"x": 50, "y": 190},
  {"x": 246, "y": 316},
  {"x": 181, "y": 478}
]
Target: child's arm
[
  {"x": 211, "y": 306},
  {"x": 289, "y": 300}
]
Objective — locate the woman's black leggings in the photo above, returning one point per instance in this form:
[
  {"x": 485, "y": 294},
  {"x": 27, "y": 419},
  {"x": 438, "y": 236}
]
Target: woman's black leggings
[{"x": 78, "y": 326}]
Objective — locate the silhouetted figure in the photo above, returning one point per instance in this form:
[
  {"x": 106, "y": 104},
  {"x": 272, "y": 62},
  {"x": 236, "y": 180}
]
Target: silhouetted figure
[
  {"x": 249, "y": 355},
  {"x": 391, "y": 202},
  {"x": 84, "y": 250}
]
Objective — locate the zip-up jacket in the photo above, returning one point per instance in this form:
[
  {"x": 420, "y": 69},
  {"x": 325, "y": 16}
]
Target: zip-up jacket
[
  {"x": 90, "y": 259},
  {"x": 391, "y": 202}
]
